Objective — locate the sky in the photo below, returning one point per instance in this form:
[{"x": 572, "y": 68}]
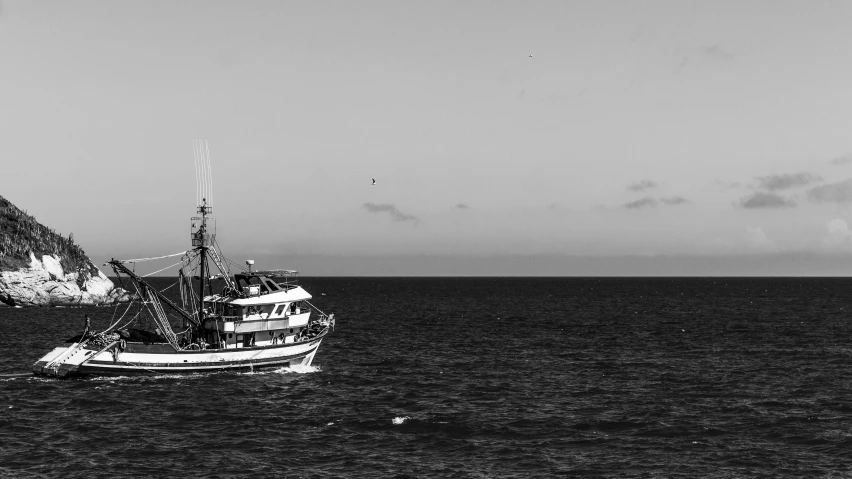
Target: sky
[{"x": 496, "y": 131}]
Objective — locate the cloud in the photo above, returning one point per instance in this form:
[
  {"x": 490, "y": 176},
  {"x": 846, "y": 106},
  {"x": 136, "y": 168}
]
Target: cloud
[
  {"x": 641, "y": 185},
  {"x": 717, "y": 53},
  {"x": 394, "y": 213},
  {"x": 684, "y": 61},
  {"x": 757, "y": 238},
  {"x": 784, "y": 182},
  {"x": 646, "y": 201},
  {"x": 462, "y": 206},
  {"x": 705, "y": 55},
  {"x": 840, "y": 193},
  {"x": 766, "y": 200},
  {"x": 674, "y": 200},
  {"x": 842, "y": 160},
  {"x": 838, "y": 233},
  {"x": 727, "y": 184},
  {"x": 649, "y": 202}
]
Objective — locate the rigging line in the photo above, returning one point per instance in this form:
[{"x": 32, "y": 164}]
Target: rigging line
[
  {"x": 199, "y": 186},
  {"x": 178, "y": 321},
  {"x": 116, "y": 310},
  {"x": 209, "y": 170},
  {"x": 238, "y": 265},
  {"x": 131, "y": 320},
  {"x": 204, "y": 192},
  {"x": 169, "y": 287},
  {"x": 203, "y": 171},
  {"x": 195, "y": 158},
  {"x": 161, "y": 270},
  {"x": 197, "y": 179},
  {"x": 199, "y": 173},
  {"x": 188, "y": 283},
  {"x": 181, "y": 280},
  {"x": 190, "y": 255},
  {"x": 119, "y": 319},
  {"x": 189, "y": 268},
  {"x": 183, "y": 332},
  {"x": 201, "y": 176},
  {"x": 144, "y": 302},
  {"x": 207, "y": 174},
  {"x": 314, "y": 307},
  {"x": 188, "y": 261},
  {"x": 223, "y": 269},
  {"x": 235, "y": 264},
  {"x": 160, "y": 319},
  {"x": 120, "y": 280},
  {"x": 149, "y": 259},
  {"x": 167, "y": 327},
  {"x": 219, "y": 252}
]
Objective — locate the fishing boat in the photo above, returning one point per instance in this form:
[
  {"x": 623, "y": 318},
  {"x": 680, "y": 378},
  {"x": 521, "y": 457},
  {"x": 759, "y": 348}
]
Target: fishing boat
[{"x": 249, "y": 320}]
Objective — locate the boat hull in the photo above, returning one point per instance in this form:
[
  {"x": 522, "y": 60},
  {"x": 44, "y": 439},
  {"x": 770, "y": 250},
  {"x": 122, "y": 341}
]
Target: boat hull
[{"x": 137, "y": 359}]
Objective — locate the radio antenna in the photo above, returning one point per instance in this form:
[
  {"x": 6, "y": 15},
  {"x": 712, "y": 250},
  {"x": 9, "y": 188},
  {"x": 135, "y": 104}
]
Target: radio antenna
[{"x": 203, "y": 172}]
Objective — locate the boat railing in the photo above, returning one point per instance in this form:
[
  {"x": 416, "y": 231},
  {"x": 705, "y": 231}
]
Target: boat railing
[
  {"x": 253, "y": 290},
  {"x": 219, "y": 317},
  {"x": 240, "y": 318}
]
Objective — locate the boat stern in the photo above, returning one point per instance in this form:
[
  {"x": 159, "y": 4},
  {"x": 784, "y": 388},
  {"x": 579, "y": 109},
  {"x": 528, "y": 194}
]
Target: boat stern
[{"x": 62, "y": 361}]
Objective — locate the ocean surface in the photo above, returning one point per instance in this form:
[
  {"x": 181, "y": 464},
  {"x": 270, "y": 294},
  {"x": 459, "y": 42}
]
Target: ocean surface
[{"x": 472, "y": 377}]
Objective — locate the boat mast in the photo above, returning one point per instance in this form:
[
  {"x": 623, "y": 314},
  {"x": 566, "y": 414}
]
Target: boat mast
[{"x": 200, "y": 240}]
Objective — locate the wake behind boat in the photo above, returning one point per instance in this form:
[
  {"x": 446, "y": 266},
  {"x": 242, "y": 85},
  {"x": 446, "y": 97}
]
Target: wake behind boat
[{"x": 256, "y": 320}]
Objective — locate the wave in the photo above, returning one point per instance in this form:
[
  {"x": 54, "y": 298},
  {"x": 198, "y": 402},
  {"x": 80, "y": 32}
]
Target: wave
[{"x": 295, "y": 369}]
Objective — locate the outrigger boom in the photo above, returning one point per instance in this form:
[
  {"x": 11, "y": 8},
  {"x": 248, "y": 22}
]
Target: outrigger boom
[{"x": 146, "y": 289}]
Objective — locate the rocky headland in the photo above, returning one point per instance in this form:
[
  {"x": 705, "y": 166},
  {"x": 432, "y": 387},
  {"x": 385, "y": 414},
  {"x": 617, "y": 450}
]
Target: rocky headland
[{"x": 39, "y": 267}]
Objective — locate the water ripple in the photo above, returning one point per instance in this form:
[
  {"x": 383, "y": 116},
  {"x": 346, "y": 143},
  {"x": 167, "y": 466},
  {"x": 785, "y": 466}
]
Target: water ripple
[{"x": 471, "y": 377}]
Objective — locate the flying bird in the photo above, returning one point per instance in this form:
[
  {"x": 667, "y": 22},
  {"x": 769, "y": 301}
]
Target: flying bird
[
  {"x": 530, "y": 55},
  {"x": 374, "y": 182}
]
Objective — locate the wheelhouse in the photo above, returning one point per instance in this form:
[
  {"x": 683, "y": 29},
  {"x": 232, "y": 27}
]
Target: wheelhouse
[{"x": 264, "y": 311}]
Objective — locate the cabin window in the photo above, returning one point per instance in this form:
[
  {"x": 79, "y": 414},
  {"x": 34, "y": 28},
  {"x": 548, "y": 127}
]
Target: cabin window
[
  {"x": 280, "y": 309},
  {"x": 270, "y": 285}
]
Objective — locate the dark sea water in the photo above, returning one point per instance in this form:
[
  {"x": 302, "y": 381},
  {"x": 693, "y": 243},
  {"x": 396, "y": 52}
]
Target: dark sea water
[{"x": 472, "y": 377}]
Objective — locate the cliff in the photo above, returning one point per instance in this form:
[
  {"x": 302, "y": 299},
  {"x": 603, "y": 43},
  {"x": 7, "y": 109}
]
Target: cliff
[{"x": 39, "y": 267}]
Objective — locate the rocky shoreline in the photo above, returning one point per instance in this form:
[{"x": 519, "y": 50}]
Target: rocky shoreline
[{"x": 44, "y": 283}]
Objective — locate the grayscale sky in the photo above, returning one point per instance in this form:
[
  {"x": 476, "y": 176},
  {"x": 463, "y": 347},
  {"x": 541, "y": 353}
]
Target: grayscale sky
[{"x": 494, "y": 129}]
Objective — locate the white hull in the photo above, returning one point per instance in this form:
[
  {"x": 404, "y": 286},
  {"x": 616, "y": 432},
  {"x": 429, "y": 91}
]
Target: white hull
[{"x": 77, "y": 360}]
